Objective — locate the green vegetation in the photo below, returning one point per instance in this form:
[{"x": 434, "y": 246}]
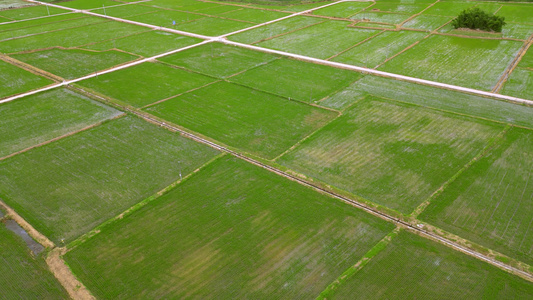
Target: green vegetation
[
  {"x": 254, "y": 121},
  {"x": 146, "y": 83},
  {"x": 232, "y": 230},
  {"x": 381, "y": 17},
  {"x": 343, "y": 9},
  {"x": 411, "y": 267},
  {"x": 449, "y": 8},
  {"x": 88, "y": 4},
  {"x": 85, "y": 179},
  {"x": 218, "y": 60},
  {"x": 47, "y": 115},
  {"x": 390, "y": 153},
  {"x": 14, "y": 80},
  {"x": 317, "y": 40},
  {"x": 296, "y": 79},
  {"x": 213, "y": 26},
  {"x": 445, "y": 59},
  {"x": 254, "y": 15},
  {"x": 147, "y": 43},
  {"x": 517, "y": 13},
  {"x": 375, "y": 51},
  {"x": 426, "y": 22},
  {"x": 23, "y": 276},
  {"x": 74, "y": 63},
  {"x": 432, "y": 97},
  {"x": 475, "y": 18},
  {"x": 490, "y": 203},
  {"x": 31, "y": 12}
]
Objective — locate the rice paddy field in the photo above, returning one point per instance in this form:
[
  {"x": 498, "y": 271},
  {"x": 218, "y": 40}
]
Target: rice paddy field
[{"x": 267, "y": 150}]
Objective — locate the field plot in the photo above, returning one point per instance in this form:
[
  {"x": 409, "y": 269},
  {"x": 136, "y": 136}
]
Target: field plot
[
  {"x": 31, "y": 12},
  {"x": 517, "y": 30},
  {"x": 244, "y": 118},
  {"x": 71, "y": 37},
  {"x": 375, "y": 51},
  {"x": 265, "y": 237},
  {"x": 44, "y": 116},
  {"x": 94, "y": 175},
  {"x": 519, "y": 84},
  {"x": 491, "y": 203},
  {"x": 318, "y": 40},
  {"x": 275, "y": 29},
  {"x": 343, "y": 9},
  {"x": 411, "y": 267},
  {"x": 254, "y": 15},
  {"x": 213, "y": 26},
  {"x": 474, "y": 63},
  {"x": 427, "y": 96},
  {"x": 23, "y": 276},
  {"x": 426, "y": 22},
  {"x": 381, "y": 17},
  {"x": 125, "y": 11},
  {"x": 165, "y": 18},
  {"x": 517, "y": 13},
  {"x": 393, "y": 154},
  {"x": 219, "y": 60},
  {"x": 406, "y": 7},
  {"x": 296, "y": 79},
  {"x": 147, "y": 44},
  {"x": 14, "y": 80},
  {"x": 74, "y": 63},
  {"x": 146, "y": 83},
  {"x": 88, "y": 4},
  {"x": 450, "y": 9}
]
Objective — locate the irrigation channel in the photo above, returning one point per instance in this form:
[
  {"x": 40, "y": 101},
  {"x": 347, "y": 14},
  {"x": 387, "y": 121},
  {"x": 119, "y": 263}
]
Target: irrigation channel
[{"x": 222, "y": 39}]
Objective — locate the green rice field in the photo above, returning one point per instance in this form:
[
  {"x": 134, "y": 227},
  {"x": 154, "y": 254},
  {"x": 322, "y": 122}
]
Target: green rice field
[
  {"x": 177, "y": 149},
  {"x": 85, "y": 179},
  {"x": 22, "y": 275},
  {"x": 491, "y": 202},
  {"x": 417, "y": 268},
  {"x": 391, "y": 153},
  {"x": 261, "y": 238},
  {"x": 44, "y": 116}
]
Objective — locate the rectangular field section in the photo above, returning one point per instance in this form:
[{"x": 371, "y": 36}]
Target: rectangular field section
[
  {"x": 411, "y": 267},
  {"x": 14, "y": 80},
  {"x": 38, "y": 118},
  {"x": 23, "y": 276},
  {"x": 232, "y": 230},
  {"x": 257, "y": 122},
  {"x": 390, "y": 153},
  {"x": 491, "y": 203},
  {"x": 94, "y": 175},
  {"x": 468, "y": 62}
]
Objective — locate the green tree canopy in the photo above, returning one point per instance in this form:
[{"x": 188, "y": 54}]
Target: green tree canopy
[{"x": 475, "y": 18}]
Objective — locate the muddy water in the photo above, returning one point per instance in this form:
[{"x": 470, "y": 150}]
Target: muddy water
[{"x": 35, "y": 247}]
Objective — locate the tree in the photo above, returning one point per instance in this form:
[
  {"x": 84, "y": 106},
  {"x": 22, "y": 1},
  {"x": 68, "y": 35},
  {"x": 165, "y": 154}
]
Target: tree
[{"x": 475, "y": 18}]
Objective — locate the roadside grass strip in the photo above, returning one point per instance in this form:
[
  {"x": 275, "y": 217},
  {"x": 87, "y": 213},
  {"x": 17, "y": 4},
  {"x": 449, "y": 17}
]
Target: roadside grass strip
[
  {"x": 31, "y": 12},
  {"x": 296, "y": 79},
  {"x": 41, "y": 117},
  {"x": 74, "y": 63},
  {"x": 392, "y": 154},
  {"x": 412, "y": 267},
  {"x": 22, "y": 275},
  {"x": 468, "y": 62},
  {"x": 274, "y": 29},
  {"x": 244, "y": 118},
  {"x": 218, "y": 60},
  {"x": 317, "y": 41},
  {"x": 146, "y": 83},
  {"x": 14, "y": 80},
  {"x": 380, "y": 48},
  {"x": 343, "y": 9},
  {"x": 232, "y": 230},
  {"x": 71, "y": 37},
  {"x": 519, "y": 84},
  {"x": 426, "y": 22},
  {"x": 432, "y": 97},
  {"x": 87, "y": 178},
  {"x": 490, "y": 203},
  {"x": 213, "y": 26},
  {"x": 146, "y": 44}
]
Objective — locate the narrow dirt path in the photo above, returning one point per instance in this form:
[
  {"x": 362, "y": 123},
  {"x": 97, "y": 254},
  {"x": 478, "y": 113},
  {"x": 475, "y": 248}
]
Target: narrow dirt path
[{"x": 72, "y": 285}]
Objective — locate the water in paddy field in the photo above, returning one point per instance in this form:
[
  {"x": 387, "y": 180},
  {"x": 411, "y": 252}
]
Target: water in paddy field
[
  {"x": 35, "y": 247},
  {"x": 13, "y": 4}
]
